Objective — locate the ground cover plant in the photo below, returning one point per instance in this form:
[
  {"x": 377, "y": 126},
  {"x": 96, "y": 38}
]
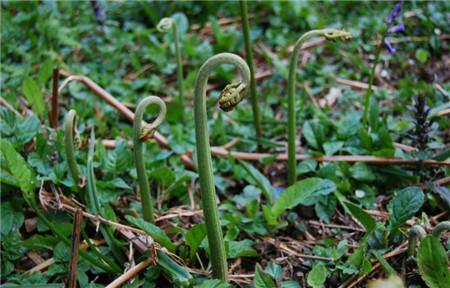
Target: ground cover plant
[{"x": 330, "y": 167}]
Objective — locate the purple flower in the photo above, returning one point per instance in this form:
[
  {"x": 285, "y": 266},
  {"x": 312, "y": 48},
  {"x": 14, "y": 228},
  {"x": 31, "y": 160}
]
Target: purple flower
[
  {"x": 400, "y": 28},
  {"x": 388, "y": 45},
  {"x": 99, "y": 12},
  {"x": 395, "y": 12}
]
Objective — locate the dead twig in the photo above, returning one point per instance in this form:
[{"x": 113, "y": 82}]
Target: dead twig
[
  {"x": 9, "y": 106},
  {"x": 72, "y": 278},
  {"x": 55, "y": 105},
  {"x": 130, "y": 274}
]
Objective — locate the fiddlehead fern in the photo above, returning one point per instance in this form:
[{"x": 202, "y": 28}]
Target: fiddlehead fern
[
  {"x": 165, "y": 25},
  {"x": 441, "y": 227},
  {"x": 229, "y": 98},
  {"x": 72, "y": 140},
  {"x": 415, "y": 233},
  {"x": 140, "y": 134},
  {"x": 329, "y": 34}
]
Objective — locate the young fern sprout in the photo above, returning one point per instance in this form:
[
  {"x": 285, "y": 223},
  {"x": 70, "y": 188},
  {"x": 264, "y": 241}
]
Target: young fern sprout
[
  {"x": 140, "y": 134},
  {"x": 441, "y": 227},
  {"x": 329, "y": 34},
  {"x": 415, "y": 233},
  {"x": 165, "y": 25},
  {"x": 71, "y": 140},
  {"x": 231, "y": 95}
]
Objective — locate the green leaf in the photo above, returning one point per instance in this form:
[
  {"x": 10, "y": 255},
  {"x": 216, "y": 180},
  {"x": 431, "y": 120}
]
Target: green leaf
[
  {"x": 317, "y": 276},
  {"x": 433, "y": 263},
  {"x": 213, "y": 283},
  {"x": 118, "y": 160},
  {"x": 422, "y": 55},
  {"x": 332, "y": 147},
  {"x": 19, "y": 169},
  {"x": 159, "y": 235},
  {"x": 300, "y": 192},
  {"x": 195, "y": 236},
  {"x": 34, "y": 96},
  {"x": 290, "y": 284},
  {"x": 306, "y": 166},
  {"x": 46, "y": 71},
  {"x": 262, "y": 279},
  {"x": 366, "y": 220},
  {"x": 314, "y": 133},
  {"x": 362, "y": 172},
  {"x": 274, "y": 270},
  {"x": 241, "y": 249},
  {"x": 260, "y": 180},
  {"x": 404, "y": 205},
  {"x": 18, "y": 130},
  {"x": 10, "y": 218}
]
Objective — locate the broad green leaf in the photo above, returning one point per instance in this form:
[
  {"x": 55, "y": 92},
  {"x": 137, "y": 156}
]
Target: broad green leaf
[
  {"x": 317, "y": 276},
  {"x": 274, "y": 270},
  {"x": 366, "y": 220},
  {"x": 118, "y": 160},
  {"x": 314, "y": 133},
  {"x": 19, "y": 169},
  {"x": 10, "y": 218},
  {"x": 260, "y": 180},
  {"x": 332, "y": 147},
  {"x": 262, "y": 279},
  {"x": 249, "y": 194},
  {"x": 433, "y": 263},
  {"x": 34, "y": 96},
  {"x": 18, "y": 130},
  {"x": 195, "y": 236},
  {"x": 154, "y": 231},
  {"x": 241, "y": 249},
  {"x": 404, "y": 205},
  {"x": 362, "y": 172},
  {"x": 300, "y": 192},
  {"x": 306, "y": 166}
]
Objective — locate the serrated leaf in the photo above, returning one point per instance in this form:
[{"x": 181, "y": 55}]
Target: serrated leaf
[
  {"x": 241, "y": 249},
  {"x": 34, "y": 96},
  {"x": 10, "y": 218},
  {"x": 19, "y": 169},
  {"x": 404, "y": 205},
  {"x": 157, "y": 234},
  {"x": 117, "y": 160},
  {"x": 274, "y": 270},
  {"x": 300, "y": 192},
  {"x": 317, "y": 276},
  {"x": 195, "y": 236},
  {"x": 433, "y": 263},
  {"x": 262, "y": 279}
]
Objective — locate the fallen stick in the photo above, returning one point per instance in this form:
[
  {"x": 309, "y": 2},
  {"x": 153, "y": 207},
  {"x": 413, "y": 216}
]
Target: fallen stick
[
  {"x": 9, "y": 106},
  {"x": 99, "y": 91},
  {"x": 130, "y": 274},
  {"x": 73, "y": 264},
  {"x": 224, "y": 153}
]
